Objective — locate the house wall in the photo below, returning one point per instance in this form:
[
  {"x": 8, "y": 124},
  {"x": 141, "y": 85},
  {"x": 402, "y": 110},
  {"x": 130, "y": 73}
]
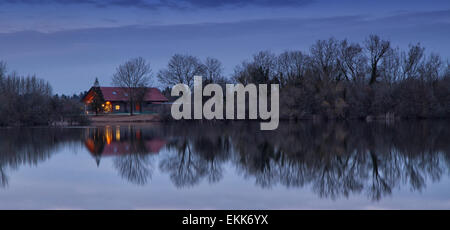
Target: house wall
[
  {"x": 124, "y": 107},
  {"x": 150, "y": 107},
  {"x": 137, "y": 108}
]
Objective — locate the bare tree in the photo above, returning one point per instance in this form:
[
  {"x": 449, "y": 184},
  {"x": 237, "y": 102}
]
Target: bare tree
[
  {"x": 291, "y": 66},
  {"x": 432, "y": 67},
  {"x": 265, "y": 63},
  {"x": 134, "y": 76},
  {"x": 390, "y": 66},
  {"x": 412, "y": 61},
  {"x": 324, "y": 55},
  {"x": 262, "y": 69},
  {"x": 213, "y": 70},
  {"x": 351, "y": 60},
  {"x": 181, "y": 69},
  {"x": 376, "y": 48}
]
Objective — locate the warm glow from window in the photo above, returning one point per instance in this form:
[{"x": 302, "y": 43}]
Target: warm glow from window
[
  {"x": 108, "y": 107},
  {"x": 118, "y": 133},
  {"x": 117, "y": 107},
  {"x": 108, "y": 135}
]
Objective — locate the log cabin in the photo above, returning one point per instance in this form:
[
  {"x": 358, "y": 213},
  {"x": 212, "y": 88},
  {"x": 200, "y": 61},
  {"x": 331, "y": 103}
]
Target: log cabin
[{"x": 115, "y": 100}]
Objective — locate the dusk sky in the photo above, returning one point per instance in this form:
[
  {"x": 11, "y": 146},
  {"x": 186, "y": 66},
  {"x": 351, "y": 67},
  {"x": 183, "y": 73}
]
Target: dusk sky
[{"x": 70, "y": 42}]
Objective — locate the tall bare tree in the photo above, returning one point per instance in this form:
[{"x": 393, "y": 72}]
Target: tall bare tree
[
  {"x": 376, "y": 49},
  {"x": 391, "y": 66},
  {"x": 291, "y": 66},
  {"x": 181, "y": 69},
  {"x": 431, "y": 68},
  {"x": 324, "y": 55},
  {"x": 213, "y": 70},
  {"x": 351, "y": 61},
  {"x": 260, "y": 70},
  {"x": 134, "y": 76},
  {"x": 412, "y": 61}
]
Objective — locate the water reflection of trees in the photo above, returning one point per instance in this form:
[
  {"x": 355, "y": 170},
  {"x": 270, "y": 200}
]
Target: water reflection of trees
[
  {"x": 343, "y": 159},
  {"x": 194, "y": 154},
  {"x": 335, "y": 159},
  {"x": 134, "y": 167},
  {"x": 30, "y": 146}
]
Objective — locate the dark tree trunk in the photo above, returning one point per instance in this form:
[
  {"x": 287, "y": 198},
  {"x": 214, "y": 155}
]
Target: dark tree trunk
[
  {"x": 373, "y": 76},
  {"x": 131, "y": 107}
]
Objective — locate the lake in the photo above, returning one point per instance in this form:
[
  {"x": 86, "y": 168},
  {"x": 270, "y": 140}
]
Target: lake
[{"x": 304, "y": 165}]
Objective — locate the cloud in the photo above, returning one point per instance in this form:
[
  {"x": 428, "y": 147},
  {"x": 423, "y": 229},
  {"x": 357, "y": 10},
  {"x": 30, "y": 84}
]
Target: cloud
[
  {"x": 232, "y": 3},
  {"x": 173, "y": 4},
  {"x": 70, "y": 59}
]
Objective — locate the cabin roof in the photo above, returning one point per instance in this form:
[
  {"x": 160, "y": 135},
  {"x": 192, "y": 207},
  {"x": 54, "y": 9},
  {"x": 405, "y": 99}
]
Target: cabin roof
[{"x": 120, "y": 94}]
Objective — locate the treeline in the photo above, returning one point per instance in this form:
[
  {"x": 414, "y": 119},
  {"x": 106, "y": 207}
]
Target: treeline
[
  {"x": 28, "y": 100},
  {"x": 337, "y": 79}
]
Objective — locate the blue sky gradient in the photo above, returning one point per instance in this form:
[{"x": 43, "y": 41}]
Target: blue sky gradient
[{"x": 71, "y": 42}]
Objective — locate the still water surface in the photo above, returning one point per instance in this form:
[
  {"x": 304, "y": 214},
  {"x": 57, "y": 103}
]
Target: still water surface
[{"x": 348, "y": 165}]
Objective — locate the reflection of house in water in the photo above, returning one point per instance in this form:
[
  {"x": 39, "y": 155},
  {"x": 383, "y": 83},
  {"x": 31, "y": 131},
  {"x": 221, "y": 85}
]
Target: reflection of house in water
[{"x": 117, "y": 141}]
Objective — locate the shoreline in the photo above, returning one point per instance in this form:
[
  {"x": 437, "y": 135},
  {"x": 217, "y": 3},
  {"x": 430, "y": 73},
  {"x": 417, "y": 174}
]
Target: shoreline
[
  {"x": 137, "y": 118},
  {"x": 149, "y": 119}
]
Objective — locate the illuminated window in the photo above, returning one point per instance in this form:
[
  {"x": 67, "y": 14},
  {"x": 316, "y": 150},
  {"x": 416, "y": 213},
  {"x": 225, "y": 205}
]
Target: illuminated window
[
  {"x": 108, "y": 107},
  {"x": 117, "y": 107}
]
